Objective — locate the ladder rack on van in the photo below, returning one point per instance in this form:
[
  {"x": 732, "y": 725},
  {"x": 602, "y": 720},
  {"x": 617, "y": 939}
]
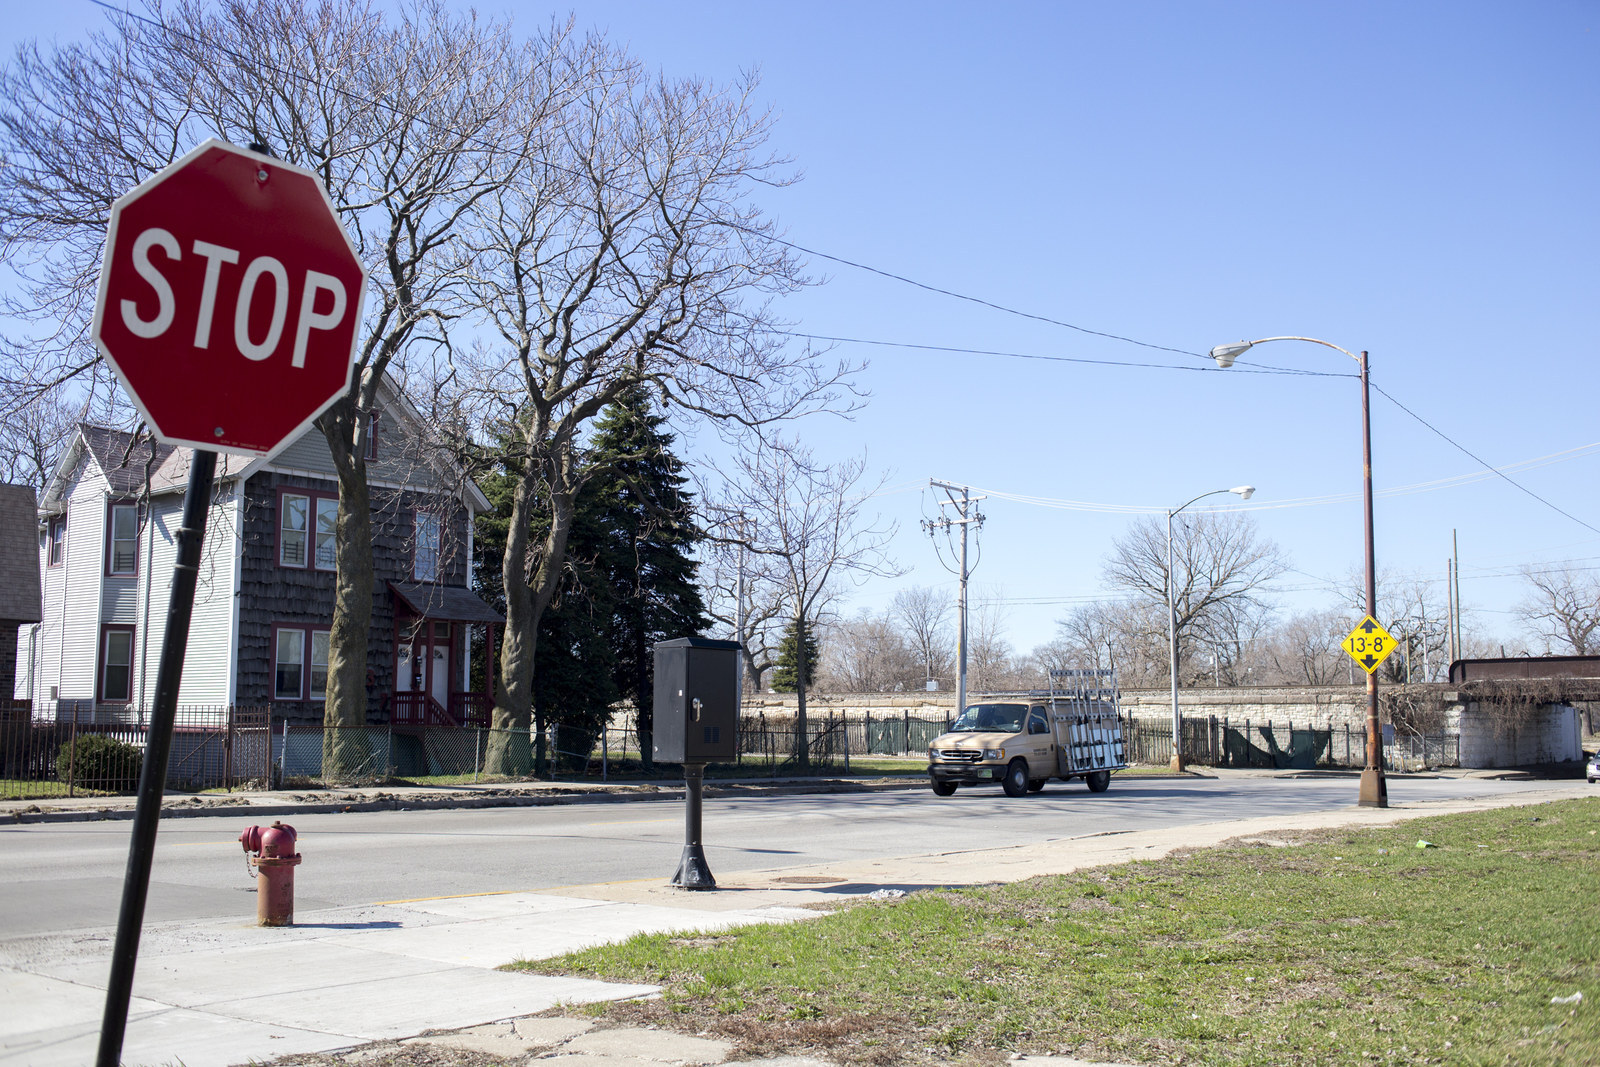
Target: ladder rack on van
[{"x": 1084, "y": 701}]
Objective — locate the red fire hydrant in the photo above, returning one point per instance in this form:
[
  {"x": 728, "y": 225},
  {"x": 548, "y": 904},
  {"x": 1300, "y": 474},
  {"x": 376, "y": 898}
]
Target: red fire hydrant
[{"x": 274, "y": 858}]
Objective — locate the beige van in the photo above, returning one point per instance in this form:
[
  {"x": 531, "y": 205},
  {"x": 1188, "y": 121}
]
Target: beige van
[{"x": 1022, "y": 740}]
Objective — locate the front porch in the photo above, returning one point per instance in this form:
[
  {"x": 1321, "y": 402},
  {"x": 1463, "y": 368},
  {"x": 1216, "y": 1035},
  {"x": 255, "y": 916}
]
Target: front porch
[{"x": 432, "y": 642}]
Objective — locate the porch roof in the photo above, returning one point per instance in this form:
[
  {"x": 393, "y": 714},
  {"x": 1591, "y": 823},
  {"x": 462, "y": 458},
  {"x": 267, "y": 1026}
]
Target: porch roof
[{"x": 453, "y": 603}]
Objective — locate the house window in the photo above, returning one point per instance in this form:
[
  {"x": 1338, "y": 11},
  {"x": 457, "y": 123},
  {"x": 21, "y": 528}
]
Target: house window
[
  {"x": 307, "y": 524},
  {"x": 58, "y": 540},
  {"x": 425, "y": 558},
  {"x": 292, "y": 514},
  {"x": 327, "y": 525},
  {"x": 116, "y": 664},
  {"x": 299, "y": 663},
  {"x": 288, "y": 671},
  {"x": 122, "y": 551},
  {"x": 373, "y": 421},
  {"x": 319, "y": 664}
]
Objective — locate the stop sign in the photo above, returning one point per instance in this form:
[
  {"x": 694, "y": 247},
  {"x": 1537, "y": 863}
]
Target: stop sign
[{"x": 229, "y": 300}]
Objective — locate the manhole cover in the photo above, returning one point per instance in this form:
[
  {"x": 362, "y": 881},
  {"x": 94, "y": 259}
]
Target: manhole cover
[{"x": 807, "y": 879}]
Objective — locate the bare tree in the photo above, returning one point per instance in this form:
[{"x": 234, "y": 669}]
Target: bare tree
[
  {"x": 1412, "y": 608},
  {"x": 989, "y": 654},
  {"x": 1562, "y": 608},
  {"x": 1218, "y": 559},
  {"x": 620, "y": 250},
  {"x": 1233, "y": 633},
  {"x": 400, "y": 117},
  {"x": 744, "y": 593},
  {"x": 810, "y": 517},
  {"x": 867, "y": 653},
  {"x": 924, "y": 615},
  {"x": 1305, "y": 649}
]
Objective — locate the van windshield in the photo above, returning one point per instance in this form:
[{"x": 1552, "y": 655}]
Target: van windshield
[{"x": 991, "y": 719}]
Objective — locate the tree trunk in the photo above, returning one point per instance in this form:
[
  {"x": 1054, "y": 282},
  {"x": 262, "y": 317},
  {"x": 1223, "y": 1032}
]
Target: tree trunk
[
  {"x": 346, "y": 750},
  {"x": 802, "y": 748},
  {"x": 527, "y": 596},
  {"x": 644, "y": 713}
]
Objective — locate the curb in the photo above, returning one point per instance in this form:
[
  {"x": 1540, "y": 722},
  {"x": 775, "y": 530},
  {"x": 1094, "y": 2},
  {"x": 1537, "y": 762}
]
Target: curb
[{"x": 179, "y": 809}]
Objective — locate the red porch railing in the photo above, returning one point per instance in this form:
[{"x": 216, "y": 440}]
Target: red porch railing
[
  {"x": 420, "y": 709},
  {"x": 471, "y": 709}
]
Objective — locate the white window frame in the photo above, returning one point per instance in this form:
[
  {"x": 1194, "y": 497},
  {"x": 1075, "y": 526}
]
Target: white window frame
[
  {"x": 278, "y": 663},
  {"x": 115, "y": 511},
  {"x": 303, "y": 532},
  {"x": 425, "y": 546},
  {"x": 106, "y": 663},
  {"x": 313, "y": 690},
  {"x": 324, "y": 540}
]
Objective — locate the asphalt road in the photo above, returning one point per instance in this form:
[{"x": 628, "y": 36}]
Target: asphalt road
[{"x": 64, "y": 877}]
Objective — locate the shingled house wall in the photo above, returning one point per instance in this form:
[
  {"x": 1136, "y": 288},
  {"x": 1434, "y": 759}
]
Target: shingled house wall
[{"x": 271, "y": 594}]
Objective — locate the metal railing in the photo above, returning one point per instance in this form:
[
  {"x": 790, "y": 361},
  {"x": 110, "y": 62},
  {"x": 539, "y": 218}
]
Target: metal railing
[{"x": 87, "y": 750}]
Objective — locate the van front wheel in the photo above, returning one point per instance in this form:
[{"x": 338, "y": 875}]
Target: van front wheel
[
  {"x": 1015, "y": 783},
  {"x": 941, "y": 789}
]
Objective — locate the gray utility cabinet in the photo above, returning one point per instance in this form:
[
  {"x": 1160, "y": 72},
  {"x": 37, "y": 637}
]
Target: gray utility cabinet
[{"x": 696, "y": 708}]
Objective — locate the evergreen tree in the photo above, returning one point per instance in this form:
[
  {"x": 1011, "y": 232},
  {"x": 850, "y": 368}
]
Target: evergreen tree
[
  {"x": 798, "y": 634},
  {"x": 629, "y": 579},
  {"x": 638, "y": 486}
]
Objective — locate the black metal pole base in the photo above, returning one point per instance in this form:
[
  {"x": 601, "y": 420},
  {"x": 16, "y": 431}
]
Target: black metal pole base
[{"x": 692, "y": 872}]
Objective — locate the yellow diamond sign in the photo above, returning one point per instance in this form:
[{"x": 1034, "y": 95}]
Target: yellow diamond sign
[{"x": 1369, "y": 644}]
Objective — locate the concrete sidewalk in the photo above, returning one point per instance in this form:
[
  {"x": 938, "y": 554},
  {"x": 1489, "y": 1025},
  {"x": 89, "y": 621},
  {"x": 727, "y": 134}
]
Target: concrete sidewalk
[{"x": 226, "y": 992}]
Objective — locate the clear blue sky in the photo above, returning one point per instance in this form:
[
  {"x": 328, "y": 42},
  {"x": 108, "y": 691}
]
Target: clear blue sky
[{"x": 1418, "y": 179}]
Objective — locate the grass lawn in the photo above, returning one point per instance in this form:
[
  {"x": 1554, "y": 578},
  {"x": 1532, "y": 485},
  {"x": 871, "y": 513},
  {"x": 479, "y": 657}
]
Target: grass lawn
[
  {"x": 29, "y": 789},
  {"x": 1337, "y": 947}
]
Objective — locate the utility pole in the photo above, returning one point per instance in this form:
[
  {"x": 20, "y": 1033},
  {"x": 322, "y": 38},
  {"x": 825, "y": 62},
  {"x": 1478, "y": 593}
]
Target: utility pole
[{"x": 967, "y": 517}]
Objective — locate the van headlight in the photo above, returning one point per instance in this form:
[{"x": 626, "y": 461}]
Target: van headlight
[{"x": 994, "y": 753}]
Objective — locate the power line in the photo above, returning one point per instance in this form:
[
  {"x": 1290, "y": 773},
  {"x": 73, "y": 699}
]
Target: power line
[
  {"x": 956, "y": 350},
  {"x": 1464, "y": 450},
  {"x": 759, "y": 234},
  {"x": 927, "y": 287}
]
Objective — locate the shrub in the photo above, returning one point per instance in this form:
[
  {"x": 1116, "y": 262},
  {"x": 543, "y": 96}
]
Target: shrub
[{"x": 95, "y": 761}]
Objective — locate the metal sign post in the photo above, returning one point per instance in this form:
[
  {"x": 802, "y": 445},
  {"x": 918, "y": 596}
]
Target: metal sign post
[
  {"x": 153, "y": 775},
  {"x": 693, "y": 872},
  {"x": 229, "y": 304}
]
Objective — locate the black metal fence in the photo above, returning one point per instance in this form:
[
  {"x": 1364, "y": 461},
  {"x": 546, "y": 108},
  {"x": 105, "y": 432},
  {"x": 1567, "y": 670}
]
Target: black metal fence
[
  {"x": 88, "y": 751},
  {"x": 1284, "y": 745}
]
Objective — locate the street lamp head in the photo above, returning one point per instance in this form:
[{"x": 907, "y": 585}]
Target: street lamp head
[
  {"x": 1245, "y": 491},
  {"x": 1226, "y": 354}
]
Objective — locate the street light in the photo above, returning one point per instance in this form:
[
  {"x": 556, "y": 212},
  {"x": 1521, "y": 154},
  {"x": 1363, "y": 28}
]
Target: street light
[
  {"x": 1374, "y": 790},
  {"x": 1244, "y": 492}
]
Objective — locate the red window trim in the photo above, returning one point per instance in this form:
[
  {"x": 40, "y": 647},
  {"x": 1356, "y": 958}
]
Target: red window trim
[
  {"x": 138, "y": 533},
  {"x": 57, "y": 522},
  {"x": 305, "y": 630},
  {"x": 312, "y": 496},
  {"x": 100, "y": 663}
]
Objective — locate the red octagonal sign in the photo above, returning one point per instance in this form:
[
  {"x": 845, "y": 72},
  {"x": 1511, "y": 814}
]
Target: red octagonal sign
[{"x": 229, "y": 300}]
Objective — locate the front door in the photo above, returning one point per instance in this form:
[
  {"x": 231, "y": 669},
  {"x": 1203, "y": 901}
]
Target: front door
[
  {"x": 423, "y": 660},
  {"x": 439, "y": 664}
]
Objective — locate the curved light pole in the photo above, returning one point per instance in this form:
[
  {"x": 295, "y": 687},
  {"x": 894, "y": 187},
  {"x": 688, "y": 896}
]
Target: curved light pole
[
  {"x": 1374, "y": 789},
  {"x": 1244, "y": 492}
]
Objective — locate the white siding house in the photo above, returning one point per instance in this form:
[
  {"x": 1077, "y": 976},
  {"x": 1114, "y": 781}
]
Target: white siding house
[{"x": 264, "y": 596}]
